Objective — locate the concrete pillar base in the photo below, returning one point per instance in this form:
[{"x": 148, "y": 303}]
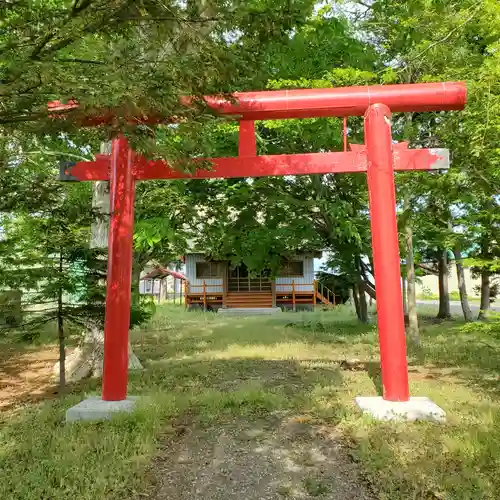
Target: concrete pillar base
[
  {"x": 417, "y": 408},
  {"x": 94, "y": 409}
]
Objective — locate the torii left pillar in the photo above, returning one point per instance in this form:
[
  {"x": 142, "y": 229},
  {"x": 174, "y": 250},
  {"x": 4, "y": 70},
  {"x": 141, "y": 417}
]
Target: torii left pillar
[
  {"x": 118, "y": 296},
  {"x": 119, "y": 282}
]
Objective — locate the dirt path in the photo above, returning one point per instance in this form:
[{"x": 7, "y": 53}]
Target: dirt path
[
  {"x": 258, "y": 460},
  {"x": 26, "y": 375}
]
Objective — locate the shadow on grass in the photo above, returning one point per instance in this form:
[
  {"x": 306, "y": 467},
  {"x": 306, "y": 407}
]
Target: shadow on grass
[
  {"x": 429, "y": 461},
  {"x": 468, "y": 351},
  {"x": 422, "y": 460},
  {"x": 195, "y": 334},
  {"x": 456, "y": 461},
  {"x": 26, "y": 374},
  {"x": 41, "y": 457},
  {"x": 291, "y": 379},
  {"x": 375, "y": 374}
]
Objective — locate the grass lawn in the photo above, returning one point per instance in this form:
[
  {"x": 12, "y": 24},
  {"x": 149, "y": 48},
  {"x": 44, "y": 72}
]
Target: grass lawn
[{"x": 204, "y": 370}]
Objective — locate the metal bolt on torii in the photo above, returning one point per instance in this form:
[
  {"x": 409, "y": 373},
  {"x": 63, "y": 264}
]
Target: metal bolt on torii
[{"x": 379, "y": 158}]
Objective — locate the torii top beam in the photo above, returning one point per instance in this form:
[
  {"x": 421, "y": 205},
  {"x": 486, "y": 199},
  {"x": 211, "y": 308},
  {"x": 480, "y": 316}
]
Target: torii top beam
[
  {"x": 310, "y": 103},
  {"x": 343, "y": 101},
  {"x": 302, "y": 103}
]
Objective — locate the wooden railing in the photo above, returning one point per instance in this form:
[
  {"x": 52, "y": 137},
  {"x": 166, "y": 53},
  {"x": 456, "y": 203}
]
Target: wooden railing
[
  {"x": 296, "y": 291},
  {"x": 189, "y": 289},
  {"x": 324, "y": 291},
  {"x": 225, "y": 288},
  {"x": 298, "y": 287},
  {"x": 320, "y": 291}
]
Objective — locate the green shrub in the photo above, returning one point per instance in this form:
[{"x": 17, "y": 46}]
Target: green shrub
[{"x": 427, "y": 294}]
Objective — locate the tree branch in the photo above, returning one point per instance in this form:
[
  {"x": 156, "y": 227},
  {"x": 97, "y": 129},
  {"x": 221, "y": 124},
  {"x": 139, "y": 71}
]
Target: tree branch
[
  {"x": 77, "y": 7},
  {"x": 367, "y": 6},
  {"x": 80, "y": 61},
  {"x": 432, "y": 45},
  {"x": 428, "y": 269},
  {"x": 35, "y": 55},
  {"x": 21, "y": 118},
  {"x": 199, "y": 20}
]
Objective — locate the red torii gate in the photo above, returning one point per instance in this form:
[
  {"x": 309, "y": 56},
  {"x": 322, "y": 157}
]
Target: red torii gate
[{"x": 379, "y": 157}]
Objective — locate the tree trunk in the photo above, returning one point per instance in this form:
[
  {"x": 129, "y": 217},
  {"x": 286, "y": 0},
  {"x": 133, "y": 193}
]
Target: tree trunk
[
  {"x": 60, "y": 331},
  {"x": 87, "y": 359},
  {"x": 485, "y": 305},
  {"x": 100, "y": 203},
  {"x": 355, "y": 297},
  {"x": 369, "y": 287},
  {"x": 405, "y": 297},
  {"x": 462, "y": 288},
  {"x": 413, "y": 329},
  {"x": 444, "y": 296},
  {"x": 164, "y": 289},
  {"x": 363, "y": 306},
  {"x": 136, "y": 276},
  {"x": 361, "y": 290}
]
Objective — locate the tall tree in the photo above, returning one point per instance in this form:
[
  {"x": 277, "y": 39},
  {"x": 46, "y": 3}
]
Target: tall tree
[
  {"x": 410, "y": 281},
  {"x": 44, "y": 249},
  {"x": 125, "y": 59},
  {"x": 256, "y": 221},
  {"x": 136, "y": 58},
  {"x": 435, "y": 40}
]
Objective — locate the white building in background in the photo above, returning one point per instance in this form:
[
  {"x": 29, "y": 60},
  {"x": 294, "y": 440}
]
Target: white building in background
[
  {"x": 429, "y": 285},
  {"x": 162, "y": 283},
  {"x": 216, "y": 284}
]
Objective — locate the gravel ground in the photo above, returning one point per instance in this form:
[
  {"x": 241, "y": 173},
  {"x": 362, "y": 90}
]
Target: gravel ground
[{"x": 257, "y": 460}]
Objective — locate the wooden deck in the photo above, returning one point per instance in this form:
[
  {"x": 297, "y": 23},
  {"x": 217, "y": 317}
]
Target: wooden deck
[{"x": 278, "y": 295}]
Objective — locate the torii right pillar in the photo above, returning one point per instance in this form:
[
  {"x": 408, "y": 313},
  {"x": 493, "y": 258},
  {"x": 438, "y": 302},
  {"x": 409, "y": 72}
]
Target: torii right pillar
[{"x": 395, "y": 401}]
